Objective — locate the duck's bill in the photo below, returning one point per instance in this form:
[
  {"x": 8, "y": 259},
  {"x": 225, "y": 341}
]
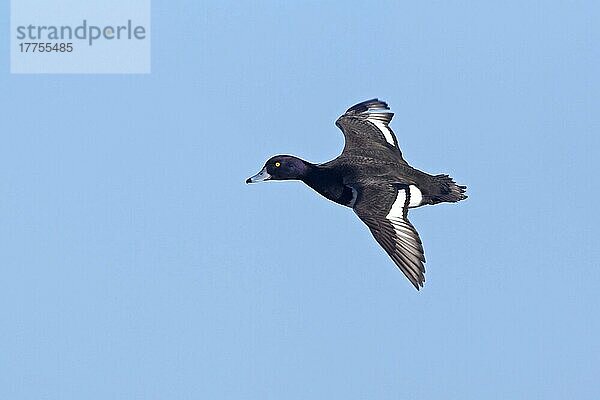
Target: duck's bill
[{"x": 262, "y": 176}]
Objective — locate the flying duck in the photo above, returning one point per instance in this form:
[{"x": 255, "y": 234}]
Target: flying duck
[{"x": 372, "y": 178}]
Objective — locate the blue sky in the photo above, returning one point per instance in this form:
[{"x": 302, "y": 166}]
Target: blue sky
[{"x": 137, "y": 264}]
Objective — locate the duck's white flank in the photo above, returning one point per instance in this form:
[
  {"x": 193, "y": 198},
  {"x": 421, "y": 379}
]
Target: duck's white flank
[
  {"x": 354, "y": 196},
  {"x": 416, "y": 197},
  {"x": 387, "y": 133}
]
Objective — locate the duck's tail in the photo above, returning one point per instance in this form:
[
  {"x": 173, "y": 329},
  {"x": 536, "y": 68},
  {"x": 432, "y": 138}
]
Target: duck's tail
[{"x": 446, "y": 190}]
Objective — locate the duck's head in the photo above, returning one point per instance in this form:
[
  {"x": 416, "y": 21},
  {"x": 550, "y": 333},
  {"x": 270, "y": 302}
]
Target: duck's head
[{"x": 281, "y": 167}]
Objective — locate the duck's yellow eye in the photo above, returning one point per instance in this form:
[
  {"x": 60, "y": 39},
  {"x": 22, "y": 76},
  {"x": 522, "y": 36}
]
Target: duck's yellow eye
[{"x": 278, "y": 164}]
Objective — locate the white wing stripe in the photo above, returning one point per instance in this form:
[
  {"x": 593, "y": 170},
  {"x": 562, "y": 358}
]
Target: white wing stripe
[
  {"x": 397, "y": 210},
  {"x": 387, "y": 133},
  {"x": 396, "y": 217},
  {"x": 404, "y": 234}
]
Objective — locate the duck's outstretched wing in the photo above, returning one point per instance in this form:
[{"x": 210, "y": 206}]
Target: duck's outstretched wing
[
  {"x": 366, "y": 130},
  {"x": 385, "y": 213}
]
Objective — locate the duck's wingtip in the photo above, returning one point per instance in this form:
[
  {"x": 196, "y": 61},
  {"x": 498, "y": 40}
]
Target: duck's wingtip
[{"x": 368, "y": 105}]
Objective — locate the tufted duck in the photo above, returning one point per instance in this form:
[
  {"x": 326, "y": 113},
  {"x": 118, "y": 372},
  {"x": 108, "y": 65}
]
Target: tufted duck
[{"x": 372, "y": 178}]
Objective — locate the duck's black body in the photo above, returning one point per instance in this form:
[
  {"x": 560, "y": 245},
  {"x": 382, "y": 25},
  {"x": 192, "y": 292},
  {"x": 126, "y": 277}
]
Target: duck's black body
[
  {"x": 331, "y": 180},
  {"x": 372, "y": 178}
]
